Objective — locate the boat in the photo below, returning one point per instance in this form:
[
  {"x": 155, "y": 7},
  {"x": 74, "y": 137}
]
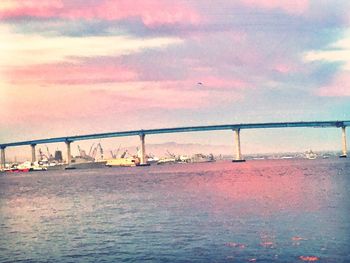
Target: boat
[
  {"x": 87, "y": 161},
  {"x": 16, "y": 170},
  {"x": 174, "y": 159},
  {"x": 310, "y": 155},
  {"x": 167, "y": 160},
  {"x": 183, "y": 159},
  {"x": 86, "y": 165},
  {"x": 123, "y": 162},
  {"x": 37, "y": 168},
  {"x": 26, "y": 167},
  {"x": 70, "y": 167},
  {"x": 326, "y": 156},
  {"x": 151, "y": 159},
  {"x": 258, "y": 158},
  {"x": 284, "y": 157},
  {"x": 201, "y": 158}
]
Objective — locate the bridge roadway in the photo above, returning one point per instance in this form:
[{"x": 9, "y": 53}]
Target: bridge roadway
[{"x": 235, "y": 127}]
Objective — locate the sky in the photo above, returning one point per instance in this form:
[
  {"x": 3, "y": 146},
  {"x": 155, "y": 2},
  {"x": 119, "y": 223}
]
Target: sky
[{"x": 71, "y": 67}]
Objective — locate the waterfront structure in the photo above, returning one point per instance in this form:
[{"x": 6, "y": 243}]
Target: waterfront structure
[
  {"x": 344, "y": 147},
  {"x": 58, "y": 156},
  {"x": 142, "y": 134}
]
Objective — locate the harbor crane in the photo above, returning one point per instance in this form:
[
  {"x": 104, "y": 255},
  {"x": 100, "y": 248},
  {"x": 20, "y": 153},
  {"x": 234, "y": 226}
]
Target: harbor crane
[
  {"x": 49, "y": 155},
  {"x": 94, "y": 152},
  {"x": 124, "y": 153},
  {"x": 82, "y": 153},
  {"x": 92, "y": 145},
  {"x": 115, "y": 154}
]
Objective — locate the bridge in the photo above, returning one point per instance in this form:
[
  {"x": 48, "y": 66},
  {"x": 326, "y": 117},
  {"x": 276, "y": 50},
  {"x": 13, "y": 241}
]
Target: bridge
[{"x": 236, "y": 128}]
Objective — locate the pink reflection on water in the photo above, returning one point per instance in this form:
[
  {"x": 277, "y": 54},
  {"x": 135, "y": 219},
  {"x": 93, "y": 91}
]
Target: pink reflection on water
[
  {"x": 236, "y": 245},
  {"x": 296, "y": 241},
  {"x": 308, "y": 258},
  {"x": 260, "y": 188},
  {"x": 267, "y": 240}
]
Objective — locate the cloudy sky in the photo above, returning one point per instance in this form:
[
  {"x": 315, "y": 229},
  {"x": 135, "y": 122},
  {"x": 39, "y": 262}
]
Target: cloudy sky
[{"x": 82, "y": 66}]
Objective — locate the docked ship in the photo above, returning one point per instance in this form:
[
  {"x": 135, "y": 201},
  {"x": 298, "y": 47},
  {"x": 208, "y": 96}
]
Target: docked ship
[
  {"x": 202, "y": 158},
  {"x": 25, "y": 167},
  {"x": 310, "y": 155},
  {"x": 123, "y": 161},
  {"x": 87, "y": 160},
  {"x": 170, "y": 159},
  {"x": 49, "y": 161},
  {"x": 285, "y": 157},
  {"x": 183, "y": 159},
  {"x": 151, "y": 159},
  {"x": 166, "y": 160}
]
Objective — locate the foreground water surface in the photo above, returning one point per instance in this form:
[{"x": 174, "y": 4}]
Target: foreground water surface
[{"x": 258, "y": 211}]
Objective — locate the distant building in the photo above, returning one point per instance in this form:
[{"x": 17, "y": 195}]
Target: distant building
[{"x": 58, "y": 156}]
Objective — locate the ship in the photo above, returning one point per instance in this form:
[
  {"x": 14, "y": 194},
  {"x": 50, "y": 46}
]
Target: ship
[
  {"x": 123, "y": 161},
  {"x": 310, "y": 155},
  {"x": 166, "y": 160},
  {"x": 202, "y": 158},
  {"x": 151, "y": 159},
  {"x": 284, "y": 157},
  {"x": 87, "y": 160},
  {"x": 49, "y": 161},
  {"x": 25, "y": 167},
  {"x": 170, "y": 159}
]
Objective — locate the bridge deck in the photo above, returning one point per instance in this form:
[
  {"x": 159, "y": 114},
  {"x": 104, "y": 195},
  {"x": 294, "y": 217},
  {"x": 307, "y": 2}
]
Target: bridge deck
[{"x": 314, "y": 124}]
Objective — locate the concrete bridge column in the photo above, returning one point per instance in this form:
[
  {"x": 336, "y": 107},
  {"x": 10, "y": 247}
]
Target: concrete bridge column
[
  {"x": 33, "y": 152},
  {"x": 344, "y": 147},
  {"x": 3, "y": 161},
  {"x": 238, "y": 157},
  {"x": 69, "y": 155},
  {"x": 143, "y": 160}
]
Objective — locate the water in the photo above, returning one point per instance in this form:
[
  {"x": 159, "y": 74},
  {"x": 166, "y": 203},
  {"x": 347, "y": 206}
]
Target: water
[{"x": 258, "y": 211}]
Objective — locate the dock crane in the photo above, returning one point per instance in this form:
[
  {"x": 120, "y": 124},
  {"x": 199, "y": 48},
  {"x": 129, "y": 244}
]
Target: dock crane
[
  {"x": 42, "y": 155},
  {"x": 101, "y": 150},
  {"x": 98, "y": 147},
  {"x": 82, "y": 153},
  {"x": 171, "y": 154},
  {"x": 114, "y": 155},
  {"x": 92, "y": 145},
  {"x": 49, "y": 155},
  {"x": 124, "y": 153}
]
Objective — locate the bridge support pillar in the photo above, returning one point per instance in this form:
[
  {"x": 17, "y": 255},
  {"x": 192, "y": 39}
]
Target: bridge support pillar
[
  {"x": 238, "y": 157},
  {"x": 143, "y": 161},
  {"x": 344, "y": 147},
  {"x": 3, "y": 160},
  {"x": 32, "y": 146},
  {"x": 69, "y": 155}
]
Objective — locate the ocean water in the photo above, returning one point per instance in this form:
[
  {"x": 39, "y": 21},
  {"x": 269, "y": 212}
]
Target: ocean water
[{"x": 258, "y": 211}]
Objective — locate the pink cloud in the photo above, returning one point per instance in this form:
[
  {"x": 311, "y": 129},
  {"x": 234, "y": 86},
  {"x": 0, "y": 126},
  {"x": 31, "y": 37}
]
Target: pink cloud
[
  {"x": 291, "y": 7},
  {"x": 61, "y": 104},
  {"x": 217, "y": 82},
  {"x": 338, "y": 88},
  {"x": 284, "y": 68},
  {"x": 151, "y": 12},
  {"x": 65, "y": 73},
  {"x": 204, "y": 93},
  {"x": 35, "y": 8}
]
